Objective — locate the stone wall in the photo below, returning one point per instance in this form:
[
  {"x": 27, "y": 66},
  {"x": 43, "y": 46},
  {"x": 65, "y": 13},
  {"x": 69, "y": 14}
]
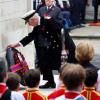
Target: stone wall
[
  {"x": 11, "y": 24},
  {"x": 12, "y": 27}
]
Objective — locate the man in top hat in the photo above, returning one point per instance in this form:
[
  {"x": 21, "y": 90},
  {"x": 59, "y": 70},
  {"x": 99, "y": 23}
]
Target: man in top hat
[{"x": 47, "y": 38}]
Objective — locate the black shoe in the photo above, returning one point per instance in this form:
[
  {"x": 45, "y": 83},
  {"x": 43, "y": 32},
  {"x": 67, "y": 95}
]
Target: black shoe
[{"x": 48, "y": 85}]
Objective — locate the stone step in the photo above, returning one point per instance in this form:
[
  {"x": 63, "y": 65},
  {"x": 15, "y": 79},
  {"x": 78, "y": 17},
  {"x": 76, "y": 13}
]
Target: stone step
[{"x": 88, "y": 32}]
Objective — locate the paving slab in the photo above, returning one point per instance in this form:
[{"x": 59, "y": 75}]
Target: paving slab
[{"x": 91, "y": 32}]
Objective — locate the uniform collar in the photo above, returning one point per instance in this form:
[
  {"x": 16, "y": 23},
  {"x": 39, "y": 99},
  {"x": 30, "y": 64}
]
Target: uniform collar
[
  {"x": 3, "y": 87},
  {"x": 62, "y": 87},
  {"x": 71, "y": 94},
  {"x": 4, "y": 84},
  {"x": 89, "y": 88},
  {"x": 32, "y": 89}
]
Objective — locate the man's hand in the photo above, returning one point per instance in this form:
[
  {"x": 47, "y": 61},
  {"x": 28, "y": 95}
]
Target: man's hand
[{"x": 14, "y": 45}]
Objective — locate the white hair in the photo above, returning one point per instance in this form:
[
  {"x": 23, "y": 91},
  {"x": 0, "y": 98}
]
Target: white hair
[{"x": 36, "y": 15}]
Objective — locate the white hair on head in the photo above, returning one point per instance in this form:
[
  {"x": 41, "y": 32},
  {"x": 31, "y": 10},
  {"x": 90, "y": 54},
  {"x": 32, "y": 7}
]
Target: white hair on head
[{"x": 36, "y": 15}]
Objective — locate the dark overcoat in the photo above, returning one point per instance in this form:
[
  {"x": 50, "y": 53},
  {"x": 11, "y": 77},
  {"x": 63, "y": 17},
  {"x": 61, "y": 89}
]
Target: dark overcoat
[
  {"x": 75, "y": 6},
  {"x": 95, "y": 2},
  {"x": 47, "y": 41},
  {"x": 88, "y": 65},
  {"x": 54, "y": 11}
]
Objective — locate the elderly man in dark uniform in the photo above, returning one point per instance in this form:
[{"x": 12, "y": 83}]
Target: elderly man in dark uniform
[
  {"x": 55, "y": 12},
  {"x": 47, "y": 38},
  {"x": 50, "y": 9},
  {"x": 95, "y": 4}
]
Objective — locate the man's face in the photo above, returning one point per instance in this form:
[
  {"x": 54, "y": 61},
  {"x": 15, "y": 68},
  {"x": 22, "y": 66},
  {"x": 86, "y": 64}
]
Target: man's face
[
  {"x": 49, "y": 2},
  {"x": 33, "y": 21}
]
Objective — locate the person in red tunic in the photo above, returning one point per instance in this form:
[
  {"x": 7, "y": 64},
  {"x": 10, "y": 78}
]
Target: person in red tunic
[
  {"x": 60, "y": 90},
  {"x": 89, "y": 90},
  {"x": 32, "y": 79},
  {"x": 73, "y": 77},
  {"x": 3, "y": 75},
  {"x": 57, "y": 93}
]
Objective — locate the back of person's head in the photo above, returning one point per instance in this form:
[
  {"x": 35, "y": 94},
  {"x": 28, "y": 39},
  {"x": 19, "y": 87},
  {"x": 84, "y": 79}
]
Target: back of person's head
[
  {"x": 3, "y": 71},
  {"x": 91, "y": 77},
  {"x": 84, "y": 52},
  {"x": 32, "y": 78},
  {"x": 62, "y": 69},
  {"x": 13, "y": 81},
  {"x": 73, "y": 76}
]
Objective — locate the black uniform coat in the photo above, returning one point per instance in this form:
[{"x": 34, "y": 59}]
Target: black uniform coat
[
  {"x": 89, "y": 65},
  {"x": 47, "y": 41}
]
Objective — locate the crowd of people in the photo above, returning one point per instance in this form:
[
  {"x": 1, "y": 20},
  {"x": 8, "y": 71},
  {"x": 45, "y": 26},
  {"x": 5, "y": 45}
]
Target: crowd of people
[
  {"x": 76, "y": 9},
  {"x": 76, "y": 81},
  {"x": 77, "y": 75}
]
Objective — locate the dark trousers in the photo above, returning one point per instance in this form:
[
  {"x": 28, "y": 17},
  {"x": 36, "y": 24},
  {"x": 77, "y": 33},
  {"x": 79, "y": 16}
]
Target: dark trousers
[
  {"x": 95, "y": 13},
  {"x": 47, "y": 61},
  {"x": 83, "y": 14},
  {"x": 48, "y": 75},
  {"x": 70, "y": 46}
]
